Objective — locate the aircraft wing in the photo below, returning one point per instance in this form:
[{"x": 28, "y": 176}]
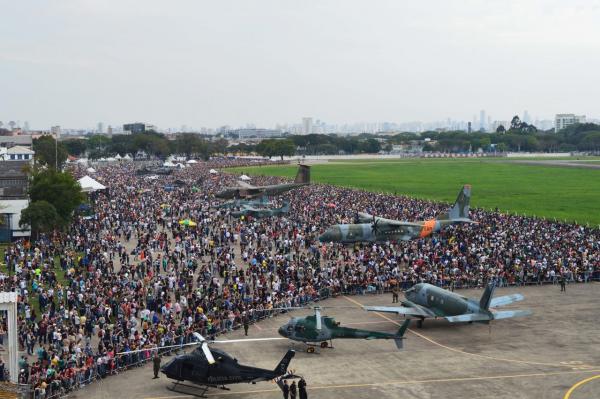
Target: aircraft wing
[
  {"x": 243, "y": 184},
  {"x": 468, "y": 317},
  {"x": 417, "y": 311},
  {"x": 383, "y": 222},
  {"x": 508, "y": 314},
  {"x": 505, "y": 300}
]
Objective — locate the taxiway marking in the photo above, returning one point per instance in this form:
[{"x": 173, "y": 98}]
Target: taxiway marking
[{"x": 580, "y": 383}]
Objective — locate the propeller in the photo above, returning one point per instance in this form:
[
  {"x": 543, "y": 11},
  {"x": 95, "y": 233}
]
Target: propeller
[
  {"x": 204, "y": 346},
  {"x": 374, "y": 225}
]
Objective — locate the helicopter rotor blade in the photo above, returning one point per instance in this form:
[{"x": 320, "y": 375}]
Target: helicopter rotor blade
[
  {"x": 207, "y": 353},
  {"x": 318, "y": 318},
  {"x": 233, "y": 341}
]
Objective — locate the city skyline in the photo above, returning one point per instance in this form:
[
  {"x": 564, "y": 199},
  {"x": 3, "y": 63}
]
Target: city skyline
[{"x": 273, "y": 62}]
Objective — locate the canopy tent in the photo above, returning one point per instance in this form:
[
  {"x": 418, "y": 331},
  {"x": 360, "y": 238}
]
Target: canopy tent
[
  {"x": 169, "y": 164},
  {"x": 91, "y": 170},
  {"x": 89, "y": 185},
  {"x": 127, "y": 157},
  {"x": 192, "y": 161},
  {"x": 213, "y": 172},
  {"x": 244, "y": 177},
  {"x": 118, "y": 156}
]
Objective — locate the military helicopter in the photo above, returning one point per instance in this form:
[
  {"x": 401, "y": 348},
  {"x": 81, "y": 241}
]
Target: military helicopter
[
  {"x": 214, "y": 368},
  {"x": 317, "y": 330}
]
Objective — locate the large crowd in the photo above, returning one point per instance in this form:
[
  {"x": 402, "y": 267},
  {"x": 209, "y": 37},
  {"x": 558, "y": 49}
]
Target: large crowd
[{"x": 127, "y": 275}]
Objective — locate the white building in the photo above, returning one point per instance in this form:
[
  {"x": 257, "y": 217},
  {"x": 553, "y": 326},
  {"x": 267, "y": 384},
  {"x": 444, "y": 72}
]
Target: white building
[
  {"x": 307, "y": 125},
  {"x": 16, "y": 153},
  {"x": 55, "y": 131},
  {"x": 561, "y": 121}
]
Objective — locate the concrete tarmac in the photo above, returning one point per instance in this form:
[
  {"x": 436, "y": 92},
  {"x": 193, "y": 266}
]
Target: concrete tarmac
[{"x": 541, "y": 356}]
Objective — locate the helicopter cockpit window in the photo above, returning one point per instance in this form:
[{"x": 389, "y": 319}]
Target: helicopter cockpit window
[
  {"x": 290, "y": 328},
  {"x": 299, "y": 328}
]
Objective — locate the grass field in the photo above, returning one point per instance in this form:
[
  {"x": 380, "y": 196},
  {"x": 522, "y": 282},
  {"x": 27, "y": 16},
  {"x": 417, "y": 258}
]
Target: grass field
[{"x": 554, "y": 192}]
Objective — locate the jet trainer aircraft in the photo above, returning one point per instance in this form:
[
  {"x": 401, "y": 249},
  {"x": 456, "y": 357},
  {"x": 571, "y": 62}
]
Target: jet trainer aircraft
[
  {"x": 261, "y": 212},
  {"x": 428, "y": 301},
  {"x": 381, "y": 229},
  {"x": 245, "y": 190}
]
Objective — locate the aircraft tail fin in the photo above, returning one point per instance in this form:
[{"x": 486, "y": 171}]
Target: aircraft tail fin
[
  {"x": 283, "y": 365},
  {"x": 285, "y": 208},
  {"x": 486, "y": 298},
  {"x": 460, "y": 209},
  {"x": 303, "y": 175},
  {"x": 399, "y": 340}
]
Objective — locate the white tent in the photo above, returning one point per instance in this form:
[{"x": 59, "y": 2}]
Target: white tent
[
  {"x": 213, "y": 172},
  {"x": 89, "y": 185},
  {"x": 118, "y": 156},
  {"x": 127, "y": 157},
  {"x": 244, "y": 177},
  {"x": 91, "y": 170},
  {"x": 192, "y": 161},
  {"x": 169, "y": 164}
]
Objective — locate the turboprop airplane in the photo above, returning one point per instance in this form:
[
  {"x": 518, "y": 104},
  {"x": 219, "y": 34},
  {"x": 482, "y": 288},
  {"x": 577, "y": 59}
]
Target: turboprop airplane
[
  {"x": 246, "y": 190},
  {"x": 262, "y": 212},
  {"x": 381, "y": 229},
  {"x": 428, "y": 301}
]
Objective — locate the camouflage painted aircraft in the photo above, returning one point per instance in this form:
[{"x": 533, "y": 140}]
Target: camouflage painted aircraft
[
  {"x": 428, "y": 301},
  {"x": 239, "y": 203},
  {"x": 320, "y": 330},
  {"x": 261, "y": 212},
  {"x": 245, "y": 190},
  {"x": 381, "y": 229}
]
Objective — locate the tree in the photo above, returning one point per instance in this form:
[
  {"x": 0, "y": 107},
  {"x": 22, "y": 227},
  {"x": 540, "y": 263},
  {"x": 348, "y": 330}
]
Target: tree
[
  {"x": 46, "y": 150},
  {"x": 75, "y": 146},
  {"x": 515, "y": 123},
  {"x": 41, "y": 216},
  {"x": 59, "y": 189},
  {"x": 501, "y": 129},
  {"x": 284, "y": 148}
]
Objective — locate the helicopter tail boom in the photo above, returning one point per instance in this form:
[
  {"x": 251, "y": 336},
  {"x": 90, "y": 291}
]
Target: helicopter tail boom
[{"x": 283, "y": 365}]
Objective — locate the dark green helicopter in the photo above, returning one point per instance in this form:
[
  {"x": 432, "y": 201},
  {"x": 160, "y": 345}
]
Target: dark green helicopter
[{"x": 317, "y": 330}]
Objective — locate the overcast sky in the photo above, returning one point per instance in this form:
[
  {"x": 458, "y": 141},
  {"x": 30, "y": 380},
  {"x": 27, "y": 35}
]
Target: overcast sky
[{"x": 210, "y": 63}]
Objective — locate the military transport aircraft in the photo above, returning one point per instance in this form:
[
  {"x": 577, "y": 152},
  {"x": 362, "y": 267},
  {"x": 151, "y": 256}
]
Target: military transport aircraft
[
  {"x": 428, "y": 301},
  {"x": 317, "y": 329},
  {"x": 245, "y": 190},
  {"x": 261, "y": 212},
  {"x": 381, "y": 229},
  {"x": 238, "y": 203}
]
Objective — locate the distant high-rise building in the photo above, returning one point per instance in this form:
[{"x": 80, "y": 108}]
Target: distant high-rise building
[
  {"x": 469, "y": 127},
  {"x": 526, "y": 117},
  {"x": 482, "y": 123},
  {"x": 134, "y": 128},
  {"x": 561, "y": 121},
  {"x": 100, "y": 128},
  {"x": 109, "y": 130},
  {"x": 55, "y": 131},
  {"x": 307, "y": 127},
  {"x": 26, "y": 126}
]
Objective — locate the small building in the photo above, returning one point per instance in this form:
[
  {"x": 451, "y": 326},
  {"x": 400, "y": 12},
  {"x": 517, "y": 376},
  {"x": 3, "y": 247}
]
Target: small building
[
  {"x": 14, "y": 197},
  {"x": 17, "y": 153}
]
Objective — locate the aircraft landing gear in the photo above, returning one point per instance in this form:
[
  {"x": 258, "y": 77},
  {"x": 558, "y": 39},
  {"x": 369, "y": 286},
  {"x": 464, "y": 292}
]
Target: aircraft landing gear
[
  {"x": 310, "y": 349},
  {"x": 420, "y": 323},
  {"x": 324, "y": 344}
]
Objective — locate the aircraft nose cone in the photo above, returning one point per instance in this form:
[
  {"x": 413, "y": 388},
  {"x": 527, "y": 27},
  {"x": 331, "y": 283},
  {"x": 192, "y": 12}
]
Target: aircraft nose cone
[
  {"x": 327, "y": 236},
  {"x": 282, "y": 331}
]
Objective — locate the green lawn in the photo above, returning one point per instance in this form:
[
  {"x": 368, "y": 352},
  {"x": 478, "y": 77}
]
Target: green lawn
[{"x": 564, "y": 193}]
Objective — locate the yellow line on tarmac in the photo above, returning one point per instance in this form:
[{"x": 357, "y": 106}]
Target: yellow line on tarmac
[
  {"x": 398, "y": 382},
  {"x": 580, "y": 383},
  {"x": 461, "y": 351}
]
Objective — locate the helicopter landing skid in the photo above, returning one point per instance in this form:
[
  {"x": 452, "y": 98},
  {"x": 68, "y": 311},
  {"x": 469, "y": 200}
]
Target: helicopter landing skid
[{"x": 200, "y": 390}]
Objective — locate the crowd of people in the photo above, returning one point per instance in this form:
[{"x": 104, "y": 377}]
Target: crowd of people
[{"x": 129, "y": 274}]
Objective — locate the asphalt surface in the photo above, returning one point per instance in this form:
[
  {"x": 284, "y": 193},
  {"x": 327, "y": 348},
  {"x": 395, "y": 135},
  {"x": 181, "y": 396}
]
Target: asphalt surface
[{"x": 555, "y": 353}]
